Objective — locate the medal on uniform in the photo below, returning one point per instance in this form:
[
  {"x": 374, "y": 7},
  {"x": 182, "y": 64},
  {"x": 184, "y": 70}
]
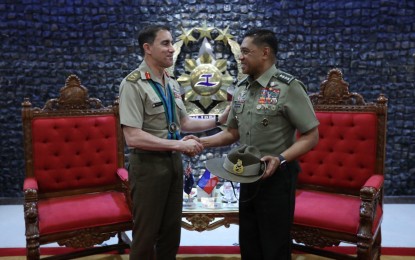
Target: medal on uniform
[
  {"x": 172, "y": 127},
  {"x": 169, "y": 105},
  {"x": 261, "y": 100},
  {"x": 267, "y": 100}
]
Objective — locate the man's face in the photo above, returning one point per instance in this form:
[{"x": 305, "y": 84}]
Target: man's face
[
  {"x": 161, "y": 50},
  {"x": 251, "y": 57}
]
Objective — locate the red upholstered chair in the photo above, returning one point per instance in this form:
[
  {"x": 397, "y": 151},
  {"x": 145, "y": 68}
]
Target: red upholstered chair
[
  {"x": 340, "y": 189},
  {"x": 72, "y": 193}
]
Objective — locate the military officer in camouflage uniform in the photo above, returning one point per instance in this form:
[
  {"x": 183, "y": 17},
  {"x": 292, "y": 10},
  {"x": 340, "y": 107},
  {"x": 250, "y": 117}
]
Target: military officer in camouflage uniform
[
  {"x": 268, "y": 108},
  {"x": 152, "y": 115}
]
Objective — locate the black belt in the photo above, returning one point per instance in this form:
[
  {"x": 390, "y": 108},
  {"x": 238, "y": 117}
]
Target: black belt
[{"x": 140, "y": 151}]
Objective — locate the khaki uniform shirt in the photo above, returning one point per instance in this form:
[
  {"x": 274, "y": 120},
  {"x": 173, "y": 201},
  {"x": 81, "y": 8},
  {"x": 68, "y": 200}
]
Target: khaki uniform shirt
[
  {"x": 268, "y": 111},
  {"x": 141, "y": 107}
]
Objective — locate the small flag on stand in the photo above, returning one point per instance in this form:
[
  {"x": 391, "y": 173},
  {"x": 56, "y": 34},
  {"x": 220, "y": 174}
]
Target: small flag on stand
[
  {"x": 188, "y": 179},
  {"x": 208, "y": 181}
]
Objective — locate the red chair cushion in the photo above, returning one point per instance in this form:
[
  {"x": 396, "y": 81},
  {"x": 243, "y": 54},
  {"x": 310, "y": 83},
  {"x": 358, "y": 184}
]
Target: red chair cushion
[
  {"x": 74, "y": 152},
  {"x": 82, "y": 211},
  {"x": 345, "y": 156},
  {"x": 328, "y": 211}
]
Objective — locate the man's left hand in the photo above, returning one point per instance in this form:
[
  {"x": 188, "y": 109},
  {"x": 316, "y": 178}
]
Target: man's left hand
[{"x": 272, "y": 165}]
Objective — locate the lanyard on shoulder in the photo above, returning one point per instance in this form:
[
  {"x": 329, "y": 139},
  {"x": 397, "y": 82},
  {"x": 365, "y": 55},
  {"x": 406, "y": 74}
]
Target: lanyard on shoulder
[{"x": 169, "y": 109}]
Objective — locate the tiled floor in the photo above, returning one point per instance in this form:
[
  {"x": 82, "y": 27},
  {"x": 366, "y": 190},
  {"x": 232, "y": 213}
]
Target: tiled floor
[{"x": 398, "y": 229}]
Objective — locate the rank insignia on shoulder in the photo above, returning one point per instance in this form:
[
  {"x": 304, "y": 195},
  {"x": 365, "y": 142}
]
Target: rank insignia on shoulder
[
  {"x": 285, "y": 77},
  {"x": 148, "y": 75},
  {"x": 134, "y": 76}
]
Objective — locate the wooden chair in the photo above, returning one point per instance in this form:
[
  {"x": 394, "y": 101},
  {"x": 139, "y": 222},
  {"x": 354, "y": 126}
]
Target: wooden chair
[
  {"x": 340, "y": 189},
  {"x": 72, "y": 193}
]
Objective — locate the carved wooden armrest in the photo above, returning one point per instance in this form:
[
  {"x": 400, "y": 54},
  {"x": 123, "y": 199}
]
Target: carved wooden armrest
[
  {"x": 371, "y": 196},
  {"x": 123, "y": 175},
  {"x": 30, "y": 189},
  {"x": 31, "y": 214},
  {"x": 30, "y": 183},
  {"x": 375, "y": 181}
]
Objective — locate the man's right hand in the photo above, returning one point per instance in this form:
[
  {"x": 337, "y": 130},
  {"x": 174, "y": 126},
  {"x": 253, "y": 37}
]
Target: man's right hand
[
  {"x": 188, "y": 137},
  {"x": 191, "y": 147}
]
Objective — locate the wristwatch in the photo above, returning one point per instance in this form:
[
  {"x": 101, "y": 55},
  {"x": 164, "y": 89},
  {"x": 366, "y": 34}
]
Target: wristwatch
[
  {"x": 283, "y": 162},
  {"x": 217, "y": 123}
]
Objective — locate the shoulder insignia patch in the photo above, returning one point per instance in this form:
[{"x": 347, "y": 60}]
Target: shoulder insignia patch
[
  {"x": 134, "y": 76},
  {"x": 285, "y": 77}
]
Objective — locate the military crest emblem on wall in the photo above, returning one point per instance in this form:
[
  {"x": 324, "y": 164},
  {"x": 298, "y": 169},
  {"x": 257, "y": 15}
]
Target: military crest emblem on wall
[{"x": 206, "y": 80}]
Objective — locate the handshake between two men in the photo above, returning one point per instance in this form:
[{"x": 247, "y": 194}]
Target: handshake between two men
[{"x": 192, "y": 145}]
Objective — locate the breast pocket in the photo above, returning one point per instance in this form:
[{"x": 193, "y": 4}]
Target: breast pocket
[
  {"x": 271, "y": 111},
  {"x": 154, "y": 107}
]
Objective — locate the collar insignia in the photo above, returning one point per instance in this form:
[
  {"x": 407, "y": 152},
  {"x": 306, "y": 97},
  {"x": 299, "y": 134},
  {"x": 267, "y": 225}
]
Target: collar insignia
[{"x": 148, "y": 76}]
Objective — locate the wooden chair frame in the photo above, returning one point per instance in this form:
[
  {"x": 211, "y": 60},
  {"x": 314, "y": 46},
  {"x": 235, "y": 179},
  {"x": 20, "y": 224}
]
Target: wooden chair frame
[
  {"x": 334, "y": 96},
  {"x": 72, "y": 102}
]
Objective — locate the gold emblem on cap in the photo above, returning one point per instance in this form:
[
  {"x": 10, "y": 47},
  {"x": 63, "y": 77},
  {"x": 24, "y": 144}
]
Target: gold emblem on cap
[{"x": 238, "y": 167}]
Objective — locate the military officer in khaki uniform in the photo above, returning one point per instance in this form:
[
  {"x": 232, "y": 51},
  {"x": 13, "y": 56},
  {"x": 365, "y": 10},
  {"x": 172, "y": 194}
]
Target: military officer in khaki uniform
[
  {"x": 152, "y": 115},
  {"x": 268, "y": 108}
]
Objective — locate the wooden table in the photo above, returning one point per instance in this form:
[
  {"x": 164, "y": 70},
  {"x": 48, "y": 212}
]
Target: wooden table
[{"x": 202, "y": 218}]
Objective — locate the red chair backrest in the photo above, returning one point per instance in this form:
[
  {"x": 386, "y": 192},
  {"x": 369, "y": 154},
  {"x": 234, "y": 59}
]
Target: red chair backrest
[
  {"x": 345, "y": 156},
  {"x": 74, "y": 152}
]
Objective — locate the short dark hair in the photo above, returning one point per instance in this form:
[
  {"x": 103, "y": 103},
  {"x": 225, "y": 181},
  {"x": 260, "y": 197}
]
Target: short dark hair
[
  {"x": 148, "y": 34},
  {"x": 263, "y": 37}
]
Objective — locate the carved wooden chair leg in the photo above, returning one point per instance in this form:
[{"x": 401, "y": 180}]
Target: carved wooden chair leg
[
  {"x": 32, "y": 233},
  {"x": 363, "y": 251},
  {"x": 33, "y": 251},
  {"x": 377, "y": 245}
]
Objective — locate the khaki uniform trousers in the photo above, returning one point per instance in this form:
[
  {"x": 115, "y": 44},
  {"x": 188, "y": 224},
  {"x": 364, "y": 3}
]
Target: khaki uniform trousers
[{"x": 156, "y": 183}]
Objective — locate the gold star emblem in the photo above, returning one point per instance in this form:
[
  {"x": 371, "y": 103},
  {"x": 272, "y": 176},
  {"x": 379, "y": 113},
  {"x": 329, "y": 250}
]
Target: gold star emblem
[
  {"x": 224, "y": 35},
  {"x": 204, "y": 31},
  {"x": 186, "y": 36}
]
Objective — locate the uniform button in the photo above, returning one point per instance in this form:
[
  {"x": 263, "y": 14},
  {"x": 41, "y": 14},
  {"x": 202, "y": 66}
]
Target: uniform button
[{"x": 247, "y": 133}]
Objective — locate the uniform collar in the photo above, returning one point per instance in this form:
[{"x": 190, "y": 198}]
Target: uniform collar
[
  {"x": 264, "y": 79},
  {"x": 147, "y": 73}
]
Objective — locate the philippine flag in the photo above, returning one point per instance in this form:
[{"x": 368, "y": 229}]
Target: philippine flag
[{"x": 207, "y": 182}]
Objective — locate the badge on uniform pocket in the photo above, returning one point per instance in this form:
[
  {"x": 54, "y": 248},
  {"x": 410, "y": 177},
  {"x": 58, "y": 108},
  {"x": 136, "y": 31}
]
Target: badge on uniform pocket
[{"x": 157, "y": 104}]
